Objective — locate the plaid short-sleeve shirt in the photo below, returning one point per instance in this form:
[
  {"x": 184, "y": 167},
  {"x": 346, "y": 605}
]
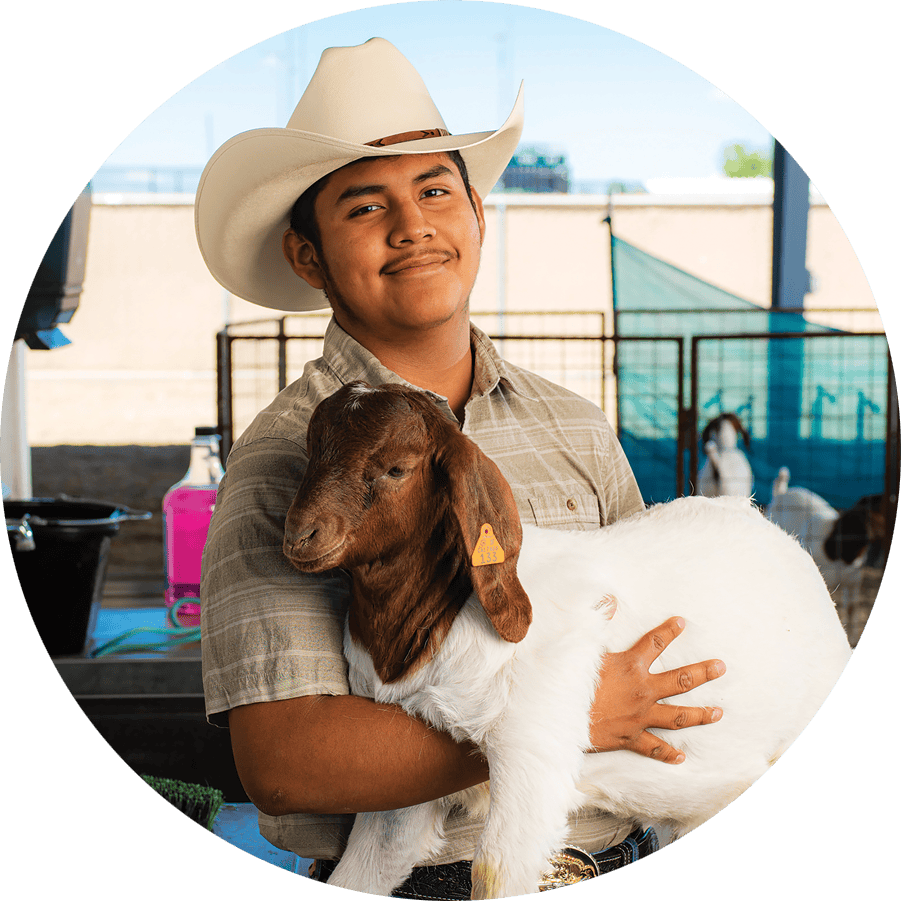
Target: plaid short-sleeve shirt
[{"x": 270, "y": 632}]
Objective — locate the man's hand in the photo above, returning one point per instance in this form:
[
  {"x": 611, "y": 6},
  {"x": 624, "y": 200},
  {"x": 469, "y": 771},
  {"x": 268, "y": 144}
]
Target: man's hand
[{"x": 626, "y": 702}]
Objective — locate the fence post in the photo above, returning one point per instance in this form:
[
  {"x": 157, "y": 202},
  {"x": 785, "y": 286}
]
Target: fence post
[
  {"x": 693, "y": 414},
  {"x": 282, "y": 355},
  {"x": 224, "y": 391},
  {"x": 892, "y": 455},
  {"x": 686, "y": 420}
]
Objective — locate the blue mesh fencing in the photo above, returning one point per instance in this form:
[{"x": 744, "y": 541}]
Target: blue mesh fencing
[{"x": 813, "y": 398}]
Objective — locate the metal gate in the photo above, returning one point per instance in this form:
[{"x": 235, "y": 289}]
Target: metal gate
[
  {"x": 817, "y": 403},
  {"x": 821, "y": 403}
]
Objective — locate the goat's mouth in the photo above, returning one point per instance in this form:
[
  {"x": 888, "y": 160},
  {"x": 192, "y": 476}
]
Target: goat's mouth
[{"x": 304, "y": 560}]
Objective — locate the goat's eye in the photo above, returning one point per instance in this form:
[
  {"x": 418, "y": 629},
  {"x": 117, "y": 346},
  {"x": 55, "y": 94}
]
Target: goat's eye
[{"x": 395, "y": 472}]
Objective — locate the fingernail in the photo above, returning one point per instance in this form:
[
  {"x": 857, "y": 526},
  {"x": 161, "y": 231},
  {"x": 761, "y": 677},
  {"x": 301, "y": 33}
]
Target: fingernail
[
  {"x": 716, "y": 714},
  {"x": 680, "y": 757},
  {"x": 719, "y": 668},
  {"x": 680, "y": 622}
]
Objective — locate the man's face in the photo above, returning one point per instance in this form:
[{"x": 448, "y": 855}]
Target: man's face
[{"x": 401, "y": 242}]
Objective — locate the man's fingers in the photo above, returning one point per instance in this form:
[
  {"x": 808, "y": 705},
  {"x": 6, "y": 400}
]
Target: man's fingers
[
  {"x": 650, "y": 646},
  {"x": 649, "y": 745},
  {"x": 678, "y": 681},
  {"x": 669, "y": 716}
]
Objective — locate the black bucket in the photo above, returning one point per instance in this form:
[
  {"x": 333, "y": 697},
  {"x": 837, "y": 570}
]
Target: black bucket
[{"x": 60, "y": 548}]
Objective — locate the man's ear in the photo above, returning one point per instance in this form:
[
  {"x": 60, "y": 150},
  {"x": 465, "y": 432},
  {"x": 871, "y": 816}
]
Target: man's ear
[
  {"x": 301, "y": 256},
  {"x": 480, "y": 213}
]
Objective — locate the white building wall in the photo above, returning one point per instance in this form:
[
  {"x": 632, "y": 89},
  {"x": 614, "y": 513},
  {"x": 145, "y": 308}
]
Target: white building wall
[{"x": 141, "y": 366}]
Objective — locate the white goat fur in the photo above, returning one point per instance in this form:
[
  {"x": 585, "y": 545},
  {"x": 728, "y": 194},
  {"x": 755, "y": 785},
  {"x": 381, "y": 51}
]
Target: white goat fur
[
  {"x": 526, "y": 705},
  {"x": 811, "y": 518}
]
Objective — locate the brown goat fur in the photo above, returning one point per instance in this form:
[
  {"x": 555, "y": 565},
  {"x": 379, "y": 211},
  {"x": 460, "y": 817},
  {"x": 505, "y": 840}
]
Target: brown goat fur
[
  {"x": 396, "y": 495},
  {"x": 860, "y": 528}
]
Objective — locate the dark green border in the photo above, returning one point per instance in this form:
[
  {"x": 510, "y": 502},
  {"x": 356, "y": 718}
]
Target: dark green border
[{"x": 79, "y": 77}]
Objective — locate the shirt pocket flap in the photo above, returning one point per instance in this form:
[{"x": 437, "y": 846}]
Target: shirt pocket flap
[{"x": 575, "y": 509}]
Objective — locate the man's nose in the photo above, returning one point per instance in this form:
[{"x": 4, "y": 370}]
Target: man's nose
[{"x": 410, "y": 225}]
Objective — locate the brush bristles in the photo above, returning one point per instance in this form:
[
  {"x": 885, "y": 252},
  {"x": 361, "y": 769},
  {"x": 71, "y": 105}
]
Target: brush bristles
[{"x": 199, "y": 802}]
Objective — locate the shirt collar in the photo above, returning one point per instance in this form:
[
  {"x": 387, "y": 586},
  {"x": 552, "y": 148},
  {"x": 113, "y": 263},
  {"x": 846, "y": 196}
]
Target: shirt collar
[
  {"x": 490, "y": 368},
  {"x": 349, "y": 360}
]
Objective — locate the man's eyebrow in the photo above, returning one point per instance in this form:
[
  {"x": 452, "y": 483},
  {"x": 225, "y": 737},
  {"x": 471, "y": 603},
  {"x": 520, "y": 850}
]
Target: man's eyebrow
[
  {"x": 434, "y": 172},
  {"x": 355, "y": 191}
]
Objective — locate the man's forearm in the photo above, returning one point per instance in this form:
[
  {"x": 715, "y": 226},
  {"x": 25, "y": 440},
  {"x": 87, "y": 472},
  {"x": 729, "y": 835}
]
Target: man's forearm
[{"x": 345, "y": 754}]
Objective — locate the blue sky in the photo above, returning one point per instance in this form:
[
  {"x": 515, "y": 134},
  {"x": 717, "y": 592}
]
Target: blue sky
[{"x": 619, "y": 109}]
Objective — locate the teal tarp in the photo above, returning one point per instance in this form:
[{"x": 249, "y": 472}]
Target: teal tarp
[{"x": 814, "y": 403}]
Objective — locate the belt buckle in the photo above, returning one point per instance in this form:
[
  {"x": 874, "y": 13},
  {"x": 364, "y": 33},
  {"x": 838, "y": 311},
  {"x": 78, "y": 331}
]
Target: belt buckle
[{"x": 568, "y": 866}]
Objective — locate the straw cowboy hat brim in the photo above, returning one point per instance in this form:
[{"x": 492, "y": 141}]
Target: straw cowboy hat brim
[{"x": 357, "y": 96}]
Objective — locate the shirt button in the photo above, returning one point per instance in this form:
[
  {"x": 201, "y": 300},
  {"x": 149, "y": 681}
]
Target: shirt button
[{"x": 571, "y": 504}]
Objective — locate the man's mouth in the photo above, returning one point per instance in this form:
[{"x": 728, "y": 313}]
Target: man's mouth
[{"x": 415, "y": 262}]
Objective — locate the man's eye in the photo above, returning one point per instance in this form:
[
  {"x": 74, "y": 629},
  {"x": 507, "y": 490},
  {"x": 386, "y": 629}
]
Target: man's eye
[
  {"x": 364, "y": 209},
  {"x": 433, "y": 192}
]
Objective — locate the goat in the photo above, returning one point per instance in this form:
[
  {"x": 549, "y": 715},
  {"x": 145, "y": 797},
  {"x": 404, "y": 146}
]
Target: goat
[
  {"x": 495, "y": 632},
  {"x": 726, "y": 471},
  {"x": 840, "y": 543}
]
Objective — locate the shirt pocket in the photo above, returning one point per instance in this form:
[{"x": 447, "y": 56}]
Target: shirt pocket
[{"x": 569, "y": 509}]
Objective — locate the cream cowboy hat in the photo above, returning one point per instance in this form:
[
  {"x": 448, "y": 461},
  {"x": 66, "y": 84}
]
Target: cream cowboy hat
[{"x": 361, "y": 101}]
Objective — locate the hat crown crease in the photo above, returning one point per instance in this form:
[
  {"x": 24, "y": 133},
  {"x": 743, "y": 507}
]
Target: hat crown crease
[{"x": 361, "y": 94}]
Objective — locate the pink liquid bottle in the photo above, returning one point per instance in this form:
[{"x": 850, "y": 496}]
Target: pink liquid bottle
[{"x": 187, "y": 508}]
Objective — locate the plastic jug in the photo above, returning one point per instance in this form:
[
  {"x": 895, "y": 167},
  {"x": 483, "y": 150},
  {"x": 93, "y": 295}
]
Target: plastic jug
[{"x": 187, "y": 509}]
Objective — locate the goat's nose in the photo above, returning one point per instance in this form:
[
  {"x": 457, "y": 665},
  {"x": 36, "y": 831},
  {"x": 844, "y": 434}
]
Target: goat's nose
[{"x": 305, "y": 535}]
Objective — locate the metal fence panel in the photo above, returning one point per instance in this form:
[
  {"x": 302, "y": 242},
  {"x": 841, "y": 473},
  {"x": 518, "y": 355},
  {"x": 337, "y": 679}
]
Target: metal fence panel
[{"x": 816, "y": 403}]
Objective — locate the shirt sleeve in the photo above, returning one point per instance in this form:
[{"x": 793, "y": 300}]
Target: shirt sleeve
[
  {"x": 621, "y": 494},
  {"x": 268, "y": 632}
]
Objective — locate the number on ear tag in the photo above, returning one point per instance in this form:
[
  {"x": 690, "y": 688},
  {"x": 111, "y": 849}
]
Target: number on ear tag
[{"x": 487, "y": 550}]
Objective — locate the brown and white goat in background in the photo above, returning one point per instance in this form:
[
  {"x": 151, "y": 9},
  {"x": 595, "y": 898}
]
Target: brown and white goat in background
[
  {"x": 726, "y": 472},
  {"x": 508, "y": 654},
  {"x": 840, "y": 542}
]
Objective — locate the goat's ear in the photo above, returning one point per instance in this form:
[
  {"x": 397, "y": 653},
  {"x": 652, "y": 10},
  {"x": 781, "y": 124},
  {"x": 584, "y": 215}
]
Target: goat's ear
[
  {"x": 743, "y": 432},
  {"x": 478, "y": 494}
]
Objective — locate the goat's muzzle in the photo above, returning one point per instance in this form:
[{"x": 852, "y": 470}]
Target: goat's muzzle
[{"x": 314, "y": 544}]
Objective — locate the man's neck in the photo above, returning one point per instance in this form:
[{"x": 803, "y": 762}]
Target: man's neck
[{"x": 440, "y": 360}]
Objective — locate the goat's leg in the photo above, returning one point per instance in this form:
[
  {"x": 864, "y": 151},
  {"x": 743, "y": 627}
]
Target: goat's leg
[
  {"x": 384, "y": 847},
  {"x": 533, "y": 790}
]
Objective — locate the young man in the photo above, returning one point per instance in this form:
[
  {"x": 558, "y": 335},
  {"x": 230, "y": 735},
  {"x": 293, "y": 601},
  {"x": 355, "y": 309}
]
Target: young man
[{"x": 378, "y": 213}]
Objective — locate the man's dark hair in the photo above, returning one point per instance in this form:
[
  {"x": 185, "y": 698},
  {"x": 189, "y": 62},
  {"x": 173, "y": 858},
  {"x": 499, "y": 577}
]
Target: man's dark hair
[{"x": 303, "y": 217}]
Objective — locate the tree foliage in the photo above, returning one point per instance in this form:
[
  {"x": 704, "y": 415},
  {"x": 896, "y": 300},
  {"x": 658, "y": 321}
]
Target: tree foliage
[{"x": 740, "y": 163}]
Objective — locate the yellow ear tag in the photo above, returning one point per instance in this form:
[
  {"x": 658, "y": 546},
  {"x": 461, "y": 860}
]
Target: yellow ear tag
[{"x": 487, "y": 550}]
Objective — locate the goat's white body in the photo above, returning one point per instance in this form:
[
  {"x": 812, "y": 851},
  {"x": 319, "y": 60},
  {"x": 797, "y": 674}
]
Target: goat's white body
[
  {"x": 810, "y": 518},
  {"x": 805, "y": 515},
  {"x": 526, "y": 705}
]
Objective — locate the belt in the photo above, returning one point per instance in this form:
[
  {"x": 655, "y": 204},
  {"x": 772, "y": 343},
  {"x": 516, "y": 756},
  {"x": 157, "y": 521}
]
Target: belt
[{"x": 452, "y": 882}]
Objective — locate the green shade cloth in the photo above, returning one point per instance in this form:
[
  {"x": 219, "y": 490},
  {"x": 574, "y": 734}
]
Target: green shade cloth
[{"x": 815, "y": 402}]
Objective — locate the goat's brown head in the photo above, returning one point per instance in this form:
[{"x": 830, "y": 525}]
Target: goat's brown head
[
  {"x": 858, "y": 532},
  {"x": 387, "y": 472},
  {"x": 713, "y": 428}
]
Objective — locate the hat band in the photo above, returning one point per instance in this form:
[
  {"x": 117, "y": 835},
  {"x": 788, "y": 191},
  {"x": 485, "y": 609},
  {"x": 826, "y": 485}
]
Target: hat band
[{"x": 409, "y": 136}]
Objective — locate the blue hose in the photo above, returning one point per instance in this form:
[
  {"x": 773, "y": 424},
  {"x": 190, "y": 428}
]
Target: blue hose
[{"x": 174, "y": 635}]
